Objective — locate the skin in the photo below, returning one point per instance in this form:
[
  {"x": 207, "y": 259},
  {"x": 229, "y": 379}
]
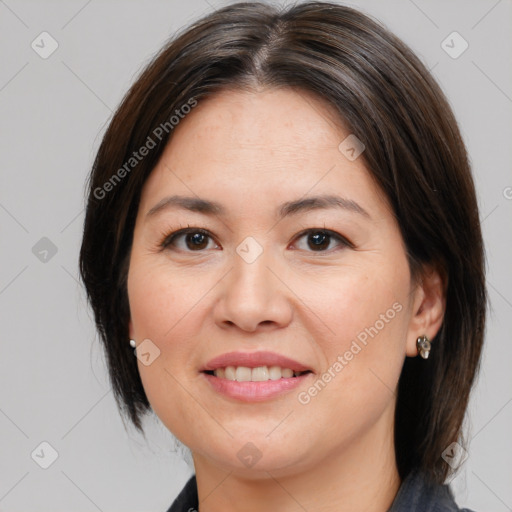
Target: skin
[{"x": 252, "y": 151}]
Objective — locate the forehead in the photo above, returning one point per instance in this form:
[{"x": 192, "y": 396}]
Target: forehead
[
  {"x": 274, "y": 117},
  {"x": 262, "y": 144},
  {"x": 260, "y": 132}
]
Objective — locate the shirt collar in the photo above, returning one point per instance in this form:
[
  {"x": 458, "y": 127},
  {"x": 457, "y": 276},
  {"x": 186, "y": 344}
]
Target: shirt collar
[{"x": 415, "y": 493}]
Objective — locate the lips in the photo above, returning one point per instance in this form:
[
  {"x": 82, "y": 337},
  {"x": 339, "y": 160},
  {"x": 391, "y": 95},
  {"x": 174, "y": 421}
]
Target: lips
[
  {"x": 254, "y": 360},
  {"x": 277, "y": 375}
]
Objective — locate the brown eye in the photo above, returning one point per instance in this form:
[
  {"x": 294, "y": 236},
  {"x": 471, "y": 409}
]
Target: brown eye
[
  {"x": 320, "y": 240},
  {"x": 195, "y": 239}
]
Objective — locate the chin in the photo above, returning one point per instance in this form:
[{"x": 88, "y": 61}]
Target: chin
[{"x": 258, "y": 457}]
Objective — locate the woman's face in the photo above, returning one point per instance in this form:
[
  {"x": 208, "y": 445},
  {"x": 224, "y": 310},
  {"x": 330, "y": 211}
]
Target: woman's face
[{"x": 325, "y": 283}]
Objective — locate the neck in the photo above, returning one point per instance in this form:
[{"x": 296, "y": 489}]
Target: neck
[{"x": 359, "y": 476}]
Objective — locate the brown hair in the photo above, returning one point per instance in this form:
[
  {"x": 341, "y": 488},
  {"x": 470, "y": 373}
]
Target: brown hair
[{"x": 414, "y": 151}]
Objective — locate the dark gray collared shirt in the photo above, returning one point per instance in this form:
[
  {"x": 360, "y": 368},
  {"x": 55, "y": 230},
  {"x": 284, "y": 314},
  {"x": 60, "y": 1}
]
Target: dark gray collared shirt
[{"x": 415, "y": 495}]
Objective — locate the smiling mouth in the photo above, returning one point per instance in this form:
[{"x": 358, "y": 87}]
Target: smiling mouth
[{"x": 256, "y": 374}]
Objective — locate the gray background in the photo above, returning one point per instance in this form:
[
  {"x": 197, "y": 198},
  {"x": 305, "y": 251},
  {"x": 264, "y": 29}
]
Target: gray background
[{"x": 54, "y": 112}]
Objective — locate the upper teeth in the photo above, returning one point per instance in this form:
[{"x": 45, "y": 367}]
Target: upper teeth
[{"x": 261, "y": 373}]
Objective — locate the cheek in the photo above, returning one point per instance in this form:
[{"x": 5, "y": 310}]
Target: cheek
[
  {"x": 365, "y": 319},
  {"x": 164, "y": 308},
  {"x": 161, "y": 301},
  {"x": 363, "y": 352},
  {"x": 362, "y": 303}
]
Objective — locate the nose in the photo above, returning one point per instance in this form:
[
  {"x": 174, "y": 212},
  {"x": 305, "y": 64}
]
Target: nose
[{"x": 253, "y": 295}]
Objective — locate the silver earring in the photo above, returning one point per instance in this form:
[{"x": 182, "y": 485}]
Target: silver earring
[
  {"x": 133, "y": 344},
  {"x": 423, "y": 345}
]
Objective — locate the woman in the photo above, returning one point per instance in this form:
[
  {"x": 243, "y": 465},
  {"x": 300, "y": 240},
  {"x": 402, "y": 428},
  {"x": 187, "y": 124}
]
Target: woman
[{"x": 282, "y": 222}]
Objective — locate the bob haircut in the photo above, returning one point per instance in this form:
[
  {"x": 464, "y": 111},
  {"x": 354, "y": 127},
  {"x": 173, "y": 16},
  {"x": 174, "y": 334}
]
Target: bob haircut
[{"x": 385, "y": 96}]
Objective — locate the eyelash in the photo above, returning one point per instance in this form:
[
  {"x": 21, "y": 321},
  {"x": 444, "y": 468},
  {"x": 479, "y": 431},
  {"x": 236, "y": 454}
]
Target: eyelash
[{"x": 169, "y": 239}]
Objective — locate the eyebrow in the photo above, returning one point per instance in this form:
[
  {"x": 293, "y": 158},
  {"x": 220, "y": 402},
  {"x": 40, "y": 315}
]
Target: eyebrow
[{"x": 213, "y": 208}]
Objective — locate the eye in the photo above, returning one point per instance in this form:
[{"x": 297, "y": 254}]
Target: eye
[
  {"x": 195, "y": 239},
  {"x": 319, "y": 240}
]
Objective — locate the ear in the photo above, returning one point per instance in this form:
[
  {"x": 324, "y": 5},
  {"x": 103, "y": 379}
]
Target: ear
[{"x": 429, "y": 305}]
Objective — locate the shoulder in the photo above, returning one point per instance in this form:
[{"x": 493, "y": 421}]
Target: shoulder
[{"x": 419, "y": 494}]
